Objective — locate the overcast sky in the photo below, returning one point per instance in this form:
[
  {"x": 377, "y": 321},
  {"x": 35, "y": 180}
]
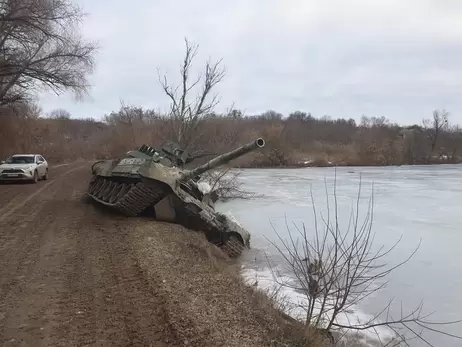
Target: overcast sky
[{"x": 395, "y": 58}]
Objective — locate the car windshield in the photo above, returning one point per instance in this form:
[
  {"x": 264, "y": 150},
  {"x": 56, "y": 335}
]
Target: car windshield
[{"x": 20, "y": 160}]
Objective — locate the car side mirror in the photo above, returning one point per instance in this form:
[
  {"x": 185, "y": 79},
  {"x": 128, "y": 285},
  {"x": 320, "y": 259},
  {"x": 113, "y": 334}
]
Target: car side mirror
[
  {"x": 2, "y": 162},
  {"x": 39, "y": 162}
]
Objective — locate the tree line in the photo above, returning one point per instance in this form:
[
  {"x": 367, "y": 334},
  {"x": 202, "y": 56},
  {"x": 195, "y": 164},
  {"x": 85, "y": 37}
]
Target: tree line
[{"x": 297, "y": 139}]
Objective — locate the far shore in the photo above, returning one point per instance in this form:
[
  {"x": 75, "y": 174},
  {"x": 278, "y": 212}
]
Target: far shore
[{"x": 300, "y": 166}]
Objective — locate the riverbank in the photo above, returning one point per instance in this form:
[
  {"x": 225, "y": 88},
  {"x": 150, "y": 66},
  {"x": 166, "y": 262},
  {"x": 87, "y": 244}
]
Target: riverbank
[{"x": 205, "y": 298}]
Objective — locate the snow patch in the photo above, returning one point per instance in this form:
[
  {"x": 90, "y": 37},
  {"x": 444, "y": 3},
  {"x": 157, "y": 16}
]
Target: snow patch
[
  {"x": 204, "y": 187},
  {"x": 293, "y": 303},
  {"x": 233, "y": 219}
]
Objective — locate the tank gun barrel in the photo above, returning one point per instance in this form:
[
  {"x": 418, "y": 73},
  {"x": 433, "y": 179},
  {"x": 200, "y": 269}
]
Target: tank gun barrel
[{"x": 224, "y": 158}]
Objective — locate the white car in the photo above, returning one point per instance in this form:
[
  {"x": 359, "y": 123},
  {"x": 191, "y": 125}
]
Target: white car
[{"x": 25, "y": 167}]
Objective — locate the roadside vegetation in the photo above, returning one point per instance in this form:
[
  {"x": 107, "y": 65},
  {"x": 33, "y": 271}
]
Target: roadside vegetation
[{"x": 296, "y": 140}]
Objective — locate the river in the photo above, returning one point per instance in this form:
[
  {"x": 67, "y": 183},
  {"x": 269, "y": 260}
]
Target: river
[{"x": 414, "y": 203}]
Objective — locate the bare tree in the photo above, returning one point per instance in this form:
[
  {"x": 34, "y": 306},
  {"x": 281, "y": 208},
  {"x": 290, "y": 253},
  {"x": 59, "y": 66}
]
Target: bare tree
[
  {"x": 452, "y": 143},
  {"x": 434, "y": 126},
  {"x": 186, "y": 114},
  {"x": 19, "y": 127},
  {"x": 41, "y": 47},
  {"x": 225, "y": 185},
  {"x": 59, "y": 113},
  {"x": 337, "y": 269}
]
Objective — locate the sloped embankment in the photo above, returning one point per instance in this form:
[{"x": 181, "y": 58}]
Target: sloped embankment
[{"x": 206, "y": 301}]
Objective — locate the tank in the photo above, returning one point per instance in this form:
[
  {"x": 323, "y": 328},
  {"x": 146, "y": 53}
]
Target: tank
[{"x": 150, "y": 180}]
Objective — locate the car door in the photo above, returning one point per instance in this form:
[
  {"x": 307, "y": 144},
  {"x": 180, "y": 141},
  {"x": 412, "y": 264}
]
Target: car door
[
  {"x": 44, "y": 164},
  {"x": 40, "y": 166}
]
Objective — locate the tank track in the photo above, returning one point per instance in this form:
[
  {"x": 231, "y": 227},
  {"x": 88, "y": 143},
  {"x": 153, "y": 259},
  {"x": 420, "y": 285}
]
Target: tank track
[
  {"x": 233, "y": 247},
  {"x": 129, "y": 199}
]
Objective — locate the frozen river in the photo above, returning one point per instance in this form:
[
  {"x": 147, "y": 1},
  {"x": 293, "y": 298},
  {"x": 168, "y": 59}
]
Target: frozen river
[{"x": 419, "y": 204}]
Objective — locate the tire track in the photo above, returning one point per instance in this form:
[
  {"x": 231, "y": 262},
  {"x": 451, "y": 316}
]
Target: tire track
[
  {"x": 18, "y": 205},
  {"x": 112, "y": 294}
]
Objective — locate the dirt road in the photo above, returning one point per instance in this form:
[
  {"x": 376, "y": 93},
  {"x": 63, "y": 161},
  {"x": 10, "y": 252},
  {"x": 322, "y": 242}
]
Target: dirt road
[{"x": 67, "y": 277}]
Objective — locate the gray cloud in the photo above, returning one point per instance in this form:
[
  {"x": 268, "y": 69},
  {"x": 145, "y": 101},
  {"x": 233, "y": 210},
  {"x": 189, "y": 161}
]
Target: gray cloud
[{"x": 399, "y": 59}]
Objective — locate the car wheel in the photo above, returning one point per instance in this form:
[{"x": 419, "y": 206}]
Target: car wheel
[
  {"x": 45, "y": 177},
  {"x": 35, "y": 180}
]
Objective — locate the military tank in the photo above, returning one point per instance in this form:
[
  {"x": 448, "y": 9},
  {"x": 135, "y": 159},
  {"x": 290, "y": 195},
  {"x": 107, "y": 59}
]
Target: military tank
[{"x": 154, "y": 180}]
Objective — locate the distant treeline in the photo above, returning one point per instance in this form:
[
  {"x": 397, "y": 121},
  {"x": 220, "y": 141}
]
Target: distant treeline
[{"x": 293, "y": 140}]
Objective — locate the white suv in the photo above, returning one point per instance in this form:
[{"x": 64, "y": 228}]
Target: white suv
[{"x": 28, "y": 167}]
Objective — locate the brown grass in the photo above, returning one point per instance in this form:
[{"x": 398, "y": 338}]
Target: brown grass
[{"x": 205, "y": 296}]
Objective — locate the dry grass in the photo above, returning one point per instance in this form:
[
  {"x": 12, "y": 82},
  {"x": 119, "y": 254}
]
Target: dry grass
[{"x": 206, "y": 299}]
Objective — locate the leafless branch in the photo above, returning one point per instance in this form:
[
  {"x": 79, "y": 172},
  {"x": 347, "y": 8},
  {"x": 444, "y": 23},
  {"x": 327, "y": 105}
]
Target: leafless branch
[
  {"x": 225, "y": 185},
  {"x": 42, "y": 48},
  {"x": 186, "y": 114},
  {"x": 433, "y": 127}
]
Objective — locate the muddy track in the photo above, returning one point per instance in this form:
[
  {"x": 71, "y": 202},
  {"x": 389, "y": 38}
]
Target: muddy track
[{"x": 68, "y": 276}]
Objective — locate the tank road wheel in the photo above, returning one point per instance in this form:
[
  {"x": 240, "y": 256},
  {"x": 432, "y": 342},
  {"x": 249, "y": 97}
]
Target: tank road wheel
[{"x": 233, "y": 247}]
